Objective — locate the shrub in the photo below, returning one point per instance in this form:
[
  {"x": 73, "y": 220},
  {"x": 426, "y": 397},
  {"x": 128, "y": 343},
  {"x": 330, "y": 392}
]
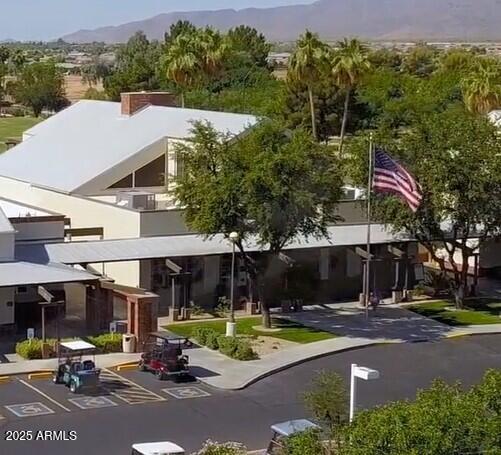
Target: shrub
[
  {"x": 244, "y": 351},
  {"x": 29, "y": 349},
  {"x": 32, "y": 350},
  {"x": 227, "y": 448},
  {"x": 107, "y": 342},
  {"x": 222, "y": 310},
  {"x": 212, "y": 339},
  {"x": 201, "y": 333},
  {"x": 307, "y": 442},
  {"x": 236, "y": 348}
]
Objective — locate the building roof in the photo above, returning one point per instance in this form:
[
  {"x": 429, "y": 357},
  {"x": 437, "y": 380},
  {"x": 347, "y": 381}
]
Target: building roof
[
  {"x": 20, "y": 273},
  {"x": 89, "y": 138},
  {"x": 182, "y": 245},
  {"x": 14, "y": 209}
]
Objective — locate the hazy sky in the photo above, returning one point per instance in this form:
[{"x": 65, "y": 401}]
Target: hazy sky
[{"x": 48, "y": 19}]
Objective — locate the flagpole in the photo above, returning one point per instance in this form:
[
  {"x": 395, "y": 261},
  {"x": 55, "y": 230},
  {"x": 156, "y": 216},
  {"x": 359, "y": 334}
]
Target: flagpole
[{"x": 367, "y": 284}]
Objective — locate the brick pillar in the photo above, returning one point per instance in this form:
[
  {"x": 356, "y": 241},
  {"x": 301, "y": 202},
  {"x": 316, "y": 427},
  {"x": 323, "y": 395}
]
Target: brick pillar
[
  {"x": 98, "y": 308},
  {"x": 142, "y": 316}
]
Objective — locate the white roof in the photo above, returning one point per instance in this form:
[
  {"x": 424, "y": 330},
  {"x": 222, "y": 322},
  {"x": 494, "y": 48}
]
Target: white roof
[
  {"x": 77, "y": 345},
  {"x": 13, "y": 209},
  {"x": 159, "y": 448},
  {"x": 89, "y": 138},
  {"x": 20, "y": 273},
  {"x": 5, "y": 225},
  {"x": 183, "y": 245}
]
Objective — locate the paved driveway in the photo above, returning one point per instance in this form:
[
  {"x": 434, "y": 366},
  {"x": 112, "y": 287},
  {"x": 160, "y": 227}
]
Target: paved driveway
[{"x": 387, "y": 322}]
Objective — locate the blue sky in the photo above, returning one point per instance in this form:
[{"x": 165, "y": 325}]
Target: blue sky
[{"x": 48, "y": 19}]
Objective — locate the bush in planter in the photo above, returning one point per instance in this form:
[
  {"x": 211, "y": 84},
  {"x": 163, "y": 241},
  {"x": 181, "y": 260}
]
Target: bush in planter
[
  {"x": 201, "y": 334},
  {"x": 212, "y": 340},
  {"x": 227, "y": 448},
  {"x": 236, "y": 348},
  {"x": 32, "y": 350},
  {"x": 107, "y": 342},
  {"x": 307, "y": 442}
]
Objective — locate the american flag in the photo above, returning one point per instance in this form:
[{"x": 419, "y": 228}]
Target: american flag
[{"x": 391, "y": 177}]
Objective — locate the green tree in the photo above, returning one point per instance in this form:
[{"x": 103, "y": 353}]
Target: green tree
[
  {"x": 456, "y": 157},
  {"x": 421, "y": 60},
  {"x": 482, "y": 86},
  {"x": 40, "y": 86},
  {"x": 247, "y": 40},
  {"x": 327, "y": 400},
  {"x": 89, "y": 75},
  {"x": 213, "y": 52},
  {"x": 136, "y": 67},
  {"x": 270, "y": 185},
  {"x": 443, "y": 420},
  {"x": 179, "y": 28},
  {"x": 306, "y": 66},
  {"x": 350, "y": 63}
]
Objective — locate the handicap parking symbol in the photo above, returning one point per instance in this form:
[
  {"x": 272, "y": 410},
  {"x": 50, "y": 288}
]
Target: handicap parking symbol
[
  {"x": 183, "y": 393},
  {"x": 92, "y": 402},
  {"x": 29, "y": 409}
]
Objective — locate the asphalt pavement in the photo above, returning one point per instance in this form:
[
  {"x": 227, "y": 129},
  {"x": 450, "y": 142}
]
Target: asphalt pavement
[{"x": 135, "y": 407}]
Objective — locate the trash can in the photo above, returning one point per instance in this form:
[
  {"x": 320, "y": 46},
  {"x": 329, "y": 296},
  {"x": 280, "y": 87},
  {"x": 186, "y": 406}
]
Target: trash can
[{"x": 128, "y": 343}]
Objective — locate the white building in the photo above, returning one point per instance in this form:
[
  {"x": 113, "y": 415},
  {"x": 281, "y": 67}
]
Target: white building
[{"x": 104, "y": 168}]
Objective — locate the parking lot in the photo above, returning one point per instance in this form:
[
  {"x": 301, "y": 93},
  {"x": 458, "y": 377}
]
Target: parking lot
[{"x": 22, "y": 398}]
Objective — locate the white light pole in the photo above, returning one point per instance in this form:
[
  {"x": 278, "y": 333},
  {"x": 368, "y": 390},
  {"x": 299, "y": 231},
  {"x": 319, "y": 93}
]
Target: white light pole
[
  {"x": 231, "y": 325},
  {"x": 367, "y": 374}
]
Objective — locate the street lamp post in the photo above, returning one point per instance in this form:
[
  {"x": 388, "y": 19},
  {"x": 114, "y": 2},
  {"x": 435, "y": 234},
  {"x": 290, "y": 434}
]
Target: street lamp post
[
  {"x": 367, "y": 374},
  {"x": 231, "y": 325}
]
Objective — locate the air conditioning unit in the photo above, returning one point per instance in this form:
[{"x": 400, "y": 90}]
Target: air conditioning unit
[{"x": 138, "y": 200}]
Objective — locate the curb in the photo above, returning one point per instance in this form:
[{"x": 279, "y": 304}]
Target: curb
[
  {"x": 275, "y": 370},
  {"x": 46, "y": 374}
]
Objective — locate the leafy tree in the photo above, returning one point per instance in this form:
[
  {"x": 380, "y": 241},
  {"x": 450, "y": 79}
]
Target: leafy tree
[
  {"x": 306, "y": 66},
  {"x": 386, "y": 58},
  {"x": 213, "y": 52},
  {"x": 482, "y": 86},
  {"x": 4, "y": 57},
  {"x": 327, "y": 400},
  {"x": 270, "y": 185},
  {"x": 89, "y": 75},
  {"x": 179, "y": 28},
  {"x": 248, "y": 40},
  {"x": 421, "y": 60},
  {"x": 350, "y": 63},
  {"x": 40, "y": 86},
  {"x": 307, "y": 442},
  {"x": 443, "y": 420},
  {"x": 456, "y": 158},
  {"x": 95, "y": 94},
  {"x": 136, "y": 67}
]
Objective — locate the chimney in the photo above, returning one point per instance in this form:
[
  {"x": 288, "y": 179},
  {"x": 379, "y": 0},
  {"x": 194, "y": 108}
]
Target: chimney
[{"x": 134, "y": 101}]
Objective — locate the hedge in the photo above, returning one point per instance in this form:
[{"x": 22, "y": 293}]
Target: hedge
[
  {"x": 32, "y": 349},
  {"x": 236, "y": 348},
  {"x": 107, "y": 342}
]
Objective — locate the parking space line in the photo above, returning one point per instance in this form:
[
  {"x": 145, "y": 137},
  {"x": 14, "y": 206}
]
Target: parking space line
[
  {"x": 127, "y": 390},
  {"x": 47, "y": 397}
]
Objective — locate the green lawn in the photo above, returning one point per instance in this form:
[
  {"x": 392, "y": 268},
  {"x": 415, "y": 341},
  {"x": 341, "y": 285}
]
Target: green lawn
[
  {"x": 14, "y": 127},
  {"x": 476, "y": 312},
  {"x": 290, "y": 331}
]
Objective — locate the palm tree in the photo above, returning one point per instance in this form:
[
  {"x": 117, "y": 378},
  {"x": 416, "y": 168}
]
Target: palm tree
[
  {"x": 482, "y": 88},
  {"x": 306, "y": 67},
  {"x": 350, "y": 62},
  {"x": 213, "y": 51},
  {"x": 182, "y": 63}
]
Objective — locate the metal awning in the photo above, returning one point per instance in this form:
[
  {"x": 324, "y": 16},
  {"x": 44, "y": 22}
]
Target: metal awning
[
  {"x": 20, "y": 273},
  {"x": 183, "y": 246}
]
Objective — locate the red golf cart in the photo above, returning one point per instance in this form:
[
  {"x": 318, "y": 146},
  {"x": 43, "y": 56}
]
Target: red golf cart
[{"x": 163, "y": 355}]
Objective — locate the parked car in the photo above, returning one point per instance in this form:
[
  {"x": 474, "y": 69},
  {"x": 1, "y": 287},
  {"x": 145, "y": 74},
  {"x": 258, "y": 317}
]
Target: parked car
[{"x": 283, "y": 430}]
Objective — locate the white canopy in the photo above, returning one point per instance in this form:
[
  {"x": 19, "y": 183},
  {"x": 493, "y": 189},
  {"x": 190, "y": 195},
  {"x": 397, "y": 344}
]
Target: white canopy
[{"x": 158, "y": 448}]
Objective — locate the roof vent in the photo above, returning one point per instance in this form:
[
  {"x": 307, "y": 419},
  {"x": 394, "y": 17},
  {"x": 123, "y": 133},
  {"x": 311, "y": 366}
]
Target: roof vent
[{"x": 135, "y": 101}]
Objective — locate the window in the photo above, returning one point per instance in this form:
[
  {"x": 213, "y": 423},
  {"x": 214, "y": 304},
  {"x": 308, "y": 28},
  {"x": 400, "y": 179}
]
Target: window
[
  {"x": 126, "y": 182},
  {"x": 153, "y": 174}
]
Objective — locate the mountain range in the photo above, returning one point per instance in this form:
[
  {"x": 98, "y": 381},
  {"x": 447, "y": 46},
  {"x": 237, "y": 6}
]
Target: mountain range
[{"x": 402, "y": 20}]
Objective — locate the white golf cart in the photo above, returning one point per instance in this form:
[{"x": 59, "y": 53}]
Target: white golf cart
[
  {"x": 283, "y": 430},
  {"x": 157, "y": 448}
]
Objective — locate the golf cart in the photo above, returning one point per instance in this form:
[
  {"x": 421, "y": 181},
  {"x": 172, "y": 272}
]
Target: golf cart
[
  {"x": 163, "y": 355},
  {"x": 283, "y": 430},
  {"x": 157, "y": 448},
  {"x": 73, "y": 371}
]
